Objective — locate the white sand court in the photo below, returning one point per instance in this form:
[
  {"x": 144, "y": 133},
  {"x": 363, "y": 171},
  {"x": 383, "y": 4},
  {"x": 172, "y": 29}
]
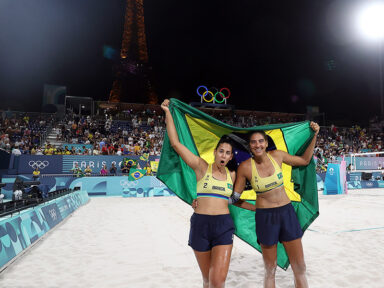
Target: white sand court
[{"x": 142, "y": 242}]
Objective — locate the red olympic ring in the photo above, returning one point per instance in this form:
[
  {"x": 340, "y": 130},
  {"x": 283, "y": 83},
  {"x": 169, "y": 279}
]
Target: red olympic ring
[{"x": 229, "y": 92}]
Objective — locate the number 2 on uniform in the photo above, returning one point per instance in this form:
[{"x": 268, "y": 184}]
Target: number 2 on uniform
[{"x": 205, "y": 185}]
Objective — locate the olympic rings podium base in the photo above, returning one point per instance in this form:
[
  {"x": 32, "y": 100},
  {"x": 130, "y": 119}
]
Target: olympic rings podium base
[{"x": 211, "y": 105}]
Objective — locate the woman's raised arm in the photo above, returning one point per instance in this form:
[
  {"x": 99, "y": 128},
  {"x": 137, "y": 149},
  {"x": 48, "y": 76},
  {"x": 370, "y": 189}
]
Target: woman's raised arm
[{"x": 195, "y": 162}]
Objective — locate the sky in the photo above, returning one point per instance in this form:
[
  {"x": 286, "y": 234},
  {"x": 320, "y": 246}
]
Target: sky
[{"x": 277, "y": 56}]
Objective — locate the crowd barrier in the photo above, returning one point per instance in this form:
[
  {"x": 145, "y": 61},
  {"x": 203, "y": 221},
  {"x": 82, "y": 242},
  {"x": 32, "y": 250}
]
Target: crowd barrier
[
  {"x": 147, "y": 186},
  {"x": 19, "y": 232},
  {"x": 58, "y": 164},
  {"x": 150, "y": 186},
  {"x": 358, "y": 176},
  {"x": 62, "y": 164},
  {"x": 355, "y": 180}
]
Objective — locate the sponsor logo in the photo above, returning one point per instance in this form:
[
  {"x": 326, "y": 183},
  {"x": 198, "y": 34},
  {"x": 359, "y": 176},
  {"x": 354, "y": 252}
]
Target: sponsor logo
[
  {"x": 331, "y": 171},
  {"x": 270, "y": 184},
  {"x": 52, "y": 213},
  {"x": 38, "y": 164},
  {"x": 63, "y": 208},
  {"x": 128, "y": 184},
  {"x": 218, "y": 188}
]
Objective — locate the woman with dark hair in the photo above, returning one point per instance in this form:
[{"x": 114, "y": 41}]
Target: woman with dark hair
[
  {"x": 276, "y": 220},
  {"x": 212, "y": 228}
]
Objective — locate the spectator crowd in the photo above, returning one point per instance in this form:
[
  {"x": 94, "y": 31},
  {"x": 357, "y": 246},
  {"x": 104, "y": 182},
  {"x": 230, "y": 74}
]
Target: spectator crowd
[
  {"x": 334, "y": 142},
  {"x": 141, "y": 132}
]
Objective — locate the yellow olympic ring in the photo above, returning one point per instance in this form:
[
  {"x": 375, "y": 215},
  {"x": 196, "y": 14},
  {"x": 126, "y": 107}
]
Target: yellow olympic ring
[{"x": 205, "y": 93}]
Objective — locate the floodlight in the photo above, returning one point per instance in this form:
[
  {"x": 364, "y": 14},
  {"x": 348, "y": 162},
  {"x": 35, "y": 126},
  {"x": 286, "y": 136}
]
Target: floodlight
[{"x": 370, "y": 21}]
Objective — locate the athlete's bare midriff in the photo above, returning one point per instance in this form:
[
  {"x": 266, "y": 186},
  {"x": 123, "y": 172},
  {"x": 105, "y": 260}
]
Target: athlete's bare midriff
[
  {"x": 211, "y": 206},
  {"x": 272, "y": 199}
]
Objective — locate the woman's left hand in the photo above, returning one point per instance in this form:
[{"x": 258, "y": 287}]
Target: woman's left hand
[{"x": 315, "y": 127}]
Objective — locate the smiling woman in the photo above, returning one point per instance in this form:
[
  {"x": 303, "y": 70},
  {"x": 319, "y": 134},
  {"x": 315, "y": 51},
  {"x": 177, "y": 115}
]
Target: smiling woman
[{"x": 276, "y": 220}]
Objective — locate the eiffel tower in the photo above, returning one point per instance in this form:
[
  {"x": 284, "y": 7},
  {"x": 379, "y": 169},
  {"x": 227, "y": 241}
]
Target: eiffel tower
[{"x": 132, "y": 72}]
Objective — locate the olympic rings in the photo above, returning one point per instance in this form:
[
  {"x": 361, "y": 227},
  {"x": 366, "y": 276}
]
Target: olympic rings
[
  {"x": 213, "y": 96},
  {"x": 38, "y": 164}
]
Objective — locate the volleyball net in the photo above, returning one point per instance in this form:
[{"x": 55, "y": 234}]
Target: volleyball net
[{"x": 365, "y": 162}]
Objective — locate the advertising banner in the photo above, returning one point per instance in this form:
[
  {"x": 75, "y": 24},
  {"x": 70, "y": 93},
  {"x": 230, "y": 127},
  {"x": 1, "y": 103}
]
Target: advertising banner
[
  {"x": 47, "y": 164},
  {"x": 17, "y": 233},
  {"x": 369, "y": 184},
  {"x": 52, "y": 215},
  {"x": 146, "y": 186},
  {"x": 63, "y": 164}
]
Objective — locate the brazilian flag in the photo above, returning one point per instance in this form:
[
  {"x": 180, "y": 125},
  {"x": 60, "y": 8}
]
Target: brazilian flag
[
  {"x": 129, "y": 160},
  {"x": 144, "y": 157},
  {"x": 136, "y": 174},
  {"x": 200, "y": 133}
]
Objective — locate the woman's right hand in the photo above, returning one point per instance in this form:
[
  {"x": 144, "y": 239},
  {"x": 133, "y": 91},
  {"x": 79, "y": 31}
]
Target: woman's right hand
[{"x": 165, "y": 105}]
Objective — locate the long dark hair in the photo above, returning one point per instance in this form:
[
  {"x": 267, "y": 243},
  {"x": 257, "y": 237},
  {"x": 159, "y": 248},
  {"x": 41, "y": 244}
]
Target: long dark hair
[{"x": 225, "y": 139}]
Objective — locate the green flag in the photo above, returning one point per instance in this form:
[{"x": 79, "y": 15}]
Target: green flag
[{"x": 200, "y": 133}]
